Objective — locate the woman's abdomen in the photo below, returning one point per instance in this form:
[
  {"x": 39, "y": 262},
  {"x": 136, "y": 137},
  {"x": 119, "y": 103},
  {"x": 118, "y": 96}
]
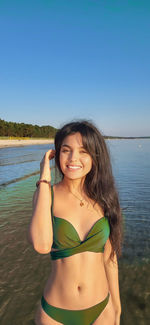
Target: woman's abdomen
[{"x": 77, "y": 282}]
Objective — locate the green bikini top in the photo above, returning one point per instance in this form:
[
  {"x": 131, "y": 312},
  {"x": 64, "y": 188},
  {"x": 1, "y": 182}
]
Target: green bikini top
[{"x": 67, "y": 241}]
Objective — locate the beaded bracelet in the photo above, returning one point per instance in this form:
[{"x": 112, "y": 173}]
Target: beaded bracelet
[{"x": 44, "y": 181}]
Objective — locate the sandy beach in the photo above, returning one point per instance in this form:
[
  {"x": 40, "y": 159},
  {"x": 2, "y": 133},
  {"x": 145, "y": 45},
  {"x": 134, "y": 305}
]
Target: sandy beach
[{"x": 20, "y": 143}]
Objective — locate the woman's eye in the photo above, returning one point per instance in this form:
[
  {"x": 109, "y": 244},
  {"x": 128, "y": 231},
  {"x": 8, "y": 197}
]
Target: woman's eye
[
  {"x": 83, "y": 151},
  {"x": 65, "y": 150}
]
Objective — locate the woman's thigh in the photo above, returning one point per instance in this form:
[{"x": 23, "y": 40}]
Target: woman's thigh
[
  {"x": 41, "y": 318},
  {"x": 107, "y": 316}
]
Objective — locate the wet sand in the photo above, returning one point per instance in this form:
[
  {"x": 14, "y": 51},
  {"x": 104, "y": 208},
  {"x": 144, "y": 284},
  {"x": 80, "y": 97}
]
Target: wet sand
[{"x": 20, "y": 143}]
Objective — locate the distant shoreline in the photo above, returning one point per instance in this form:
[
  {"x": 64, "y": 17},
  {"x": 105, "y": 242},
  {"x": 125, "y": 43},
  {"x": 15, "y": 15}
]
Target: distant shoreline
[
  {"x": 124, "y": 138},
  {"x": 22, "y": 143}
]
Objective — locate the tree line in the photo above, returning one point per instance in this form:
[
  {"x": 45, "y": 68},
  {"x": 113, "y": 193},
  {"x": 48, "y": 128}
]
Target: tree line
[{"x": 13, "y": 129}]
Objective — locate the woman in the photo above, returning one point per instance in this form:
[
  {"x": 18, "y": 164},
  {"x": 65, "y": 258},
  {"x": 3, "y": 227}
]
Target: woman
[{"x": 78, "y": 221}]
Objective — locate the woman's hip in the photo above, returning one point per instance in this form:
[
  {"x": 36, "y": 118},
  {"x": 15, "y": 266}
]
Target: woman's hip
[{"x": 85, "y": 316}]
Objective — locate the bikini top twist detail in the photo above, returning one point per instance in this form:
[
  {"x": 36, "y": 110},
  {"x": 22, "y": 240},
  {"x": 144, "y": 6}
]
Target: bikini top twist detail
[{"x": 67, "y": 241}]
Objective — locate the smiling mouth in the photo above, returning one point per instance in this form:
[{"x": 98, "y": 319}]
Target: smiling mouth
[{"x": 73, "y": 167}]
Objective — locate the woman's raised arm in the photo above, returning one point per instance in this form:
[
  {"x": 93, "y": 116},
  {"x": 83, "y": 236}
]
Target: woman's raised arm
[{"x": 40, "y": 231}]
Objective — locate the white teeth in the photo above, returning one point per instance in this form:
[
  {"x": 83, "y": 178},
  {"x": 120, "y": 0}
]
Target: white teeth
[{"x": 74, "y": 167}]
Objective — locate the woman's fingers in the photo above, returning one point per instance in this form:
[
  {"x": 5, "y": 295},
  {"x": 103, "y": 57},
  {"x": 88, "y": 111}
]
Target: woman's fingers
[
  {"x": 50, "y": 154},
  {"x": 45, "y": 165}
]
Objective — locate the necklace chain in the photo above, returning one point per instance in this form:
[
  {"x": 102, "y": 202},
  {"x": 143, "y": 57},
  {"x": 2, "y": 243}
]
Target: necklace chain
[
  {"x": 81, "y": 200},
  {"x": 82, "y": 203}
]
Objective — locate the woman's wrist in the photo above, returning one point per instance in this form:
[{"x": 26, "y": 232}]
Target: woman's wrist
[
  {"x": 45, "y": 181},
  {"x": 118, "y": 312},
  {"x": 45, "y": 177},
  {"x": 117, "y": 308}
]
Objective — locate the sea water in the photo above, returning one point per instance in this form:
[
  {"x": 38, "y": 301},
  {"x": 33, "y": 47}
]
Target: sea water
[{"x": 23, "y": 272}]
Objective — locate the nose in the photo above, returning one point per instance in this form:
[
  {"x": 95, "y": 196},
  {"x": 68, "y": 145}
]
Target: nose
[{"x": 73, "y": 156}]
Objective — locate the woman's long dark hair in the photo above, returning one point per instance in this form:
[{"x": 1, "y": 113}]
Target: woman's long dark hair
[{"x": 99, "y": 183}]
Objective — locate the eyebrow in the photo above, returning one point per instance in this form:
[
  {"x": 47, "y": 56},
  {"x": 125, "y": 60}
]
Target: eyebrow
[{"x": 66, "y": 145}]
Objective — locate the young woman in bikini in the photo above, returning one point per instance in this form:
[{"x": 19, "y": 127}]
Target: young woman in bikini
[{"x": 78, "y": 221}]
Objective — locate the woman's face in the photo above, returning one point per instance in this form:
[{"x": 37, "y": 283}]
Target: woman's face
[{"x": 75, "y": 161}]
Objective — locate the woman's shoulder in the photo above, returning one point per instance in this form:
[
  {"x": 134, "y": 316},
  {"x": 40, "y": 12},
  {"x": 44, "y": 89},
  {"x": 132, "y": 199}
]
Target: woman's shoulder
[
  {"x": 59, "y": 191},
  {"x": 57, "y": 187}
]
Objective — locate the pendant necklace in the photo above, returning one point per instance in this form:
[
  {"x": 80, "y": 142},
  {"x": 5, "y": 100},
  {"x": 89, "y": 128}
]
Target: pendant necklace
[
  {"x": 81, "y": 200},
  {"x": 82, "y": 203}
]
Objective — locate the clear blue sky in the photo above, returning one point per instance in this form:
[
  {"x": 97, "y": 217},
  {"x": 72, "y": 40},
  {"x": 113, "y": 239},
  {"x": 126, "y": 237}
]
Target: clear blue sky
[{"x": 66, "y": 59}]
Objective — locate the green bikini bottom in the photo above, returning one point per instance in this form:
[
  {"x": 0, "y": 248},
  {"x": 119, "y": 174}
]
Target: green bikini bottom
[{"x": 74, "y": 317}]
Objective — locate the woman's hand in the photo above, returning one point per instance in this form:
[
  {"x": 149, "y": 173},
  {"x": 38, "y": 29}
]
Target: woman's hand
[{"x": 45, "y": 172}]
